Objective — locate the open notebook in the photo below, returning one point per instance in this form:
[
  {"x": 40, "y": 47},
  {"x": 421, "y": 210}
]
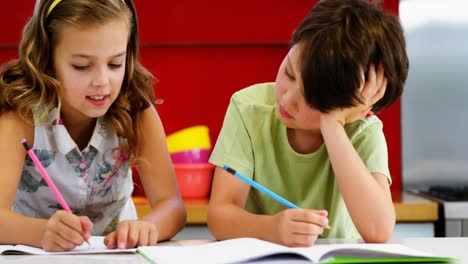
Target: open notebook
[
  {"x": 250, "y": 249},
  {"x": 96, "y": 245}
]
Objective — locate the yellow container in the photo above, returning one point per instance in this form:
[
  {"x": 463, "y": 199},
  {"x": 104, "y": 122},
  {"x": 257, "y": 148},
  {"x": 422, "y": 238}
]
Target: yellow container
[{"x": 196, "y": 137}]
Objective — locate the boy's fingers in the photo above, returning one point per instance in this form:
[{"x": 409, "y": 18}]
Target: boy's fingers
[
  {"x": 311, "y": 216},
  {"x": 372, "y": 75},
  {"x": 379, "y": 94},
  {"x": 367, "y": 90},
  {"x": 380, "y": 76}
]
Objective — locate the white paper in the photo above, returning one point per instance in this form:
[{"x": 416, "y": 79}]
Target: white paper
[
  {"x": 248, "y": 249},
  {"x": 96, "y": 246}
]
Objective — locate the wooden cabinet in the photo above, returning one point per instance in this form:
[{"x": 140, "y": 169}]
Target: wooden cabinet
[{"x": 409, "y": 208}]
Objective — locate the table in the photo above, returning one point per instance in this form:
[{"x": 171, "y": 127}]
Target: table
[{"x": 451, "y": 247}]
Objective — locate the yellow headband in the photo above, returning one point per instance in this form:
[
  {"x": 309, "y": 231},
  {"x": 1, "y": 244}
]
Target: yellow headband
[{"x": 56, "y": 2}]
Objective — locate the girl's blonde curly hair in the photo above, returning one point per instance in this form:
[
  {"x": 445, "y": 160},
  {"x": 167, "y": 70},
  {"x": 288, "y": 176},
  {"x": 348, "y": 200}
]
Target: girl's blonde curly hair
[{"x": 27, "y": 83}]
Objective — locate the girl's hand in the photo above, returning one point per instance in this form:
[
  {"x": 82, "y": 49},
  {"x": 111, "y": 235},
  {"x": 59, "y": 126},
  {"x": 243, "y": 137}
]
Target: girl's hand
[
  {"x": 130, "y": 234},
  {"x": 299, "y": 227},
  {"x": 371, "y": 92},
  {"x": 65, "y": 231}
]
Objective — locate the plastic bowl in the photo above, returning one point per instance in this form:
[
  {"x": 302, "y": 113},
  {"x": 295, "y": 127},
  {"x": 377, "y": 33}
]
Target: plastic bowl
[
  {"x": 191, "y": 156},
  {"x": 196, "y": 137},
  {"x": 194, "y": 180}
]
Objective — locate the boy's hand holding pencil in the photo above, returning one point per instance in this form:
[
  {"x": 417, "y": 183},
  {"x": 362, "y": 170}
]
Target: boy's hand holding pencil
[
  {"x": 299, "y": 227},
  {"x": 294, "y": 227}
]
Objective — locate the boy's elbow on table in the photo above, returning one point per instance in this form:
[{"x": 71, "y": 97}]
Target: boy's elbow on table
[{"x": 378, "y": 233}]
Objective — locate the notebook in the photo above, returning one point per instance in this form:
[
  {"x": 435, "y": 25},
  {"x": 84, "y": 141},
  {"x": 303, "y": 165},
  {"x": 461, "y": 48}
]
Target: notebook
[
  {"x": 250, "y": 249},
  {"x": 96, "y": 246}
]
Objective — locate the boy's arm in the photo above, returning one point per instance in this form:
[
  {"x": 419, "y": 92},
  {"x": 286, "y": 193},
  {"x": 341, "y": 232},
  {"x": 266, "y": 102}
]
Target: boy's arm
[
  {"x": 15, "y": 228},
  {"x": 227, "y": 217},
  {"x": 367, "y": 196}
]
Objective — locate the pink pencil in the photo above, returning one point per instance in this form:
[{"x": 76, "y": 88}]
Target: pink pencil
[{"x": 46, "y": 177}]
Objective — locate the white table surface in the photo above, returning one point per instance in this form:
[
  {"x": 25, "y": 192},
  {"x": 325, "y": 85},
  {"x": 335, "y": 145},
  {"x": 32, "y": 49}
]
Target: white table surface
[{"x": 450, "y": 247}]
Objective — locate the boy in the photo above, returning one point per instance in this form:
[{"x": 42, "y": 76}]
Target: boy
[{"x": 305, "y": 136}]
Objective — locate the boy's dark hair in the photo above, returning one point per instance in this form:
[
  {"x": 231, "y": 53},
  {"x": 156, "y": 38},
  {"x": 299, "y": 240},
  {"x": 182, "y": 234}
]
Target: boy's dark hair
[{"x": 339, "y": 38}]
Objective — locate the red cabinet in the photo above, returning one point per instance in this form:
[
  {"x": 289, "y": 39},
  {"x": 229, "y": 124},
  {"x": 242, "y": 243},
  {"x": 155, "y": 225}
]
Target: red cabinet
[{"x": 203, "y": 51}]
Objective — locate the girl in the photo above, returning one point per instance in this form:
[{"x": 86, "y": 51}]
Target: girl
[
  {"x": 304, "y": 136},
  {"x": 79, "y": 94}
]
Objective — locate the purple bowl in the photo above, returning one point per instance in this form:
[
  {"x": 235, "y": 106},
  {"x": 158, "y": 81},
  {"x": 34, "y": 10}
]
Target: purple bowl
[{"x": 191, "y": 156}]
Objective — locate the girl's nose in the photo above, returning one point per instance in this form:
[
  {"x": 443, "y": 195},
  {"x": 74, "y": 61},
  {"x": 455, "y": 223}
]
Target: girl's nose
[{"x": 101, "y": 78}]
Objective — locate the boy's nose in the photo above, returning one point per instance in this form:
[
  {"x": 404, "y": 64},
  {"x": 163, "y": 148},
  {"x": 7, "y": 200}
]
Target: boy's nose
[{"x": 290, "y": 101}]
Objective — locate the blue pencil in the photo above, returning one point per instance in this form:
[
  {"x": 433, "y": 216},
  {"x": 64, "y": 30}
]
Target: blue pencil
[{"x": 261, "y": 188}]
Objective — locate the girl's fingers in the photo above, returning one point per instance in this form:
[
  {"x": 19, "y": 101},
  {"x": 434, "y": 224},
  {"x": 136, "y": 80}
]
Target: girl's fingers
[
  {"x": 60, "y": 243},
  {"x": 144, "y": 237},
  {"x": 122, "y": 235},
  {"x": 86, "y": 226},
  {"x": 133, "y": 236},
  {"x": 110, "y": 240},
  {"x": 70, "y": 234},
  {"x": 153, "y": 237}
]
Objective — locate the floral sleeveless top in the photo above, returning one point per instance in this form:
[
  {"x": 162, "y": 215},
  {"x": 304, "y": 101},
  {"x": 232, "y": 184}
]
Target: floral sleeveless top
[{"x": 95, "y": 182}]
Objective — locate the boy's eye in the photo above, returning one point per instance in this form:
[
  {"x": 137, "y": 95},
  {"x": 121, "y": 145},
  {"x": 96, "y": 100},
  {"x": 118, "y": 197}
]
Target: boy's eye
[
  {"x": 115, "y": 65},
  {"x": 80, "y": 67},
  {"x": 288, "y": 74}
]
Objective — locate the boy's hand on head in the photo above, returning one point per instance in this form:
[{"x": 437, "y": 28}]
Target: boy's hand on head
[
  {"x": 65, "y": 231},
  {"x": 130, "y": 234},
  {"x": 372, "y": 90},
  {"x": 300, "y": 227}
]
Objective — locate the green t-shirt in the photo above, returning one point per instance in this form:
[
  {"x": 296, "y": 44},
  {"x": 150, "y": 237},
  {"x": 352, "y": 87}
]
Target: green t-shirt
[{"x": 254, "y": 142}]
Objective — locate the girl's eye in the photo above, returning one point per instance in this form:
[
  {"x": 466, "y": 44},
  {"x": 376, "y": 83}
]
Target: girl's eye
[
  {"x": 115, "y": 66},
  {"x": 80, "y": 67}
]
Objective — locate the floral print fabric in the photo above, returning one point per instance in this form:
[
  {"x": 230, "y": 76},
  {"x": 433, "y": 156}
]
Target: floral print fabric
[{"x": 96, "y": 181}]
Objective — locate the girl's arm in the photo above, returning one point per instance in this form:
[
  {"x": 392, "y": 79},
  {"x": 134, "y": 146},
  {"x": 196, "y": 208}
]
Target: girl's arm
[
  {"x": 15, "y": 228},
  {"x": 367, "y": 196},
  {"x": 158, "y": 178}
]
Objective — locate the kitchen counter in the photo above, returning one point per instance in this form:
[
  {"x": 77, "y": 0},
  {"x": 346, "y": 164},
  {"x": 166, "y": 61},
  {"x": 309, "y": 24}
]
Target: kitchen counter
[
  {"x": 408, "y": 207},
  {"x": 413, "y": 208}
]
